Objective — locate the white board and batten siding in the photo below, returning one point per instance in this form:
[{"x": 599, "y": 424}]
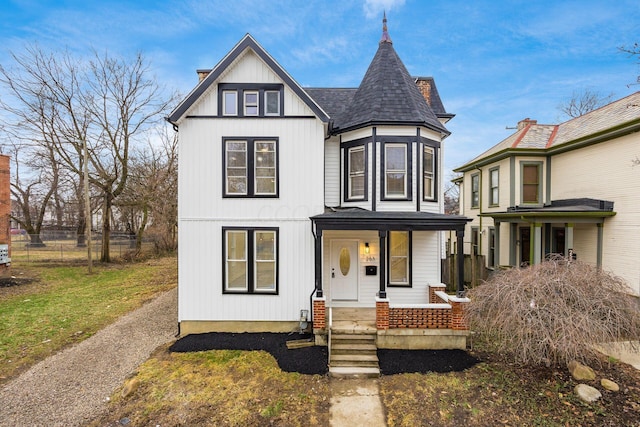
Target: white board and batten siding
[{"x": 204, "y": 212}]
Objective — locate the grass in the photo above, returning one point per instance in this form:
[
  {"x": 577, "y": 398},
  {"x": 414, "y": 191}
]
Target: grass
[
  {"x": 220, "y": 387},
  {"x": 63, "y": 304}
]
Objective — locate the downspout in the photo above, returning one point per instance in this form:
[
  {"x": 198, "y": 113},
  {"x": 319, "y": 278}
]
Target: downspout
[{"x": 480, "y": 189}]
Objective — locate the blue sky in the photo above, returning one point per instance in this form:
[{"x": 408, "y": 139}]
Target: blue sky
[{"x": 494, "y": 62}]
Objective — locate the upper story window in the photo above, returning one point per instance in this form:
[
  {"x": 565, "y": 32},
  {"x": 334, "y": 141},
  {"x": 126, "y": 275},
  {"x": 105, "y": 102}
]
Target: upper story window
[
  {"x": 531, "y": 183},
  {"x": 475, "y": 190},
  {"x": 356, "y": 166},
  {"x": 428, "y": 173},
  {"x": 494, "y": 180},
  {"x": 272, "y": 103},
  {"x": 250, "y": 100},
  {"x": 230, "y": 102},
  {"x": 397, "y": 171},
  {"x": 250, "y": 260},
  {"x": 399, "y": 258},
  {"x": 250, "y": 103},
  {"x": 250, "y": 167}
]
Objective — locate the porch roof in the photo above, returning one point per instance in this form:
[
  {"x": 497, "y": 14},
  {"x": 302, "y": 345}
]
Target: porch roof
[
  {"x": 362, "y": 219},
  {"x": 568, "y": 210}
]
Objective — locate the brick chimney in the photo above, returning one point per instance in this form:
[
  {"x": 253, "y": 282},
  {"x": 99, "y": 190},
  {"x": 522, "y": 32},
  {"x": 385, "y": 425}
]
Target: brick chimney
[
  {"x": 526, "y": 122},
  {"x": 202, "y": 74},
  {"x": 425, "y": 88}
]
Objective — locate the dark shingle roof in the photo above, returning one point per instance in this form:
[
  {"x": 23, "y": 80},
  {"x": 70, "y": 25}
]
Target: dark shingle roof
[
  {"x": 333, "y": 101},
  {"x": 388, "y": 94}
]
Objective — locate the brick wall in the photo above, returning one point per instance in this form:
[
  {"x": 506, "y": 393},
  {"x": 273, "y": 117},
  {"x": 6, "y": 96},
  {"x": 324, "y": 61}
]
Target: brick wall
[
  {"x": 382, "y": 314},
  {"x": 422, "y": 318},
  {"x": 319, "y": 314}
]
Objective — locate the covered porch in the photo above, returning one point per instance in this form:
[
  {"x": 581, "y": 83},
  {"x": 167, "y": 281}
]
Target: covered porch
[
  {"x": 570, "y": 228},
  {"x": 431, "y": 313}
]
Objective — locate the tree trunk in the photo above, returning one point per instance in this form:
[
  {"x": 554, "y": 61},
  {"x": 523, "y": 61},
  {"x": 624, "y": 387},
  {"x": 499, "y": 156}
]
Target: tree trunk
[
  {"x": 143, "y": 225},
  {"x": 106, "y": 228}
]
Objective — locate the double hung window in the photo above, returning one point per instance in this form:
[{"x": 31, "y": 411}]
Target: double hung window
[
  {"x": 399, "y": 258},
  {"x": 250, "y": 167},
  {"x": 494, "y": 181},
  {"x": 428, "y": 173},
  {"x": 356, "y": 164},
  {"x": 250, "y": 260},
  {"x": 396, "y": 171},
  {"x": 475, "y": 190},
  {"x": 531, "y": 187}
]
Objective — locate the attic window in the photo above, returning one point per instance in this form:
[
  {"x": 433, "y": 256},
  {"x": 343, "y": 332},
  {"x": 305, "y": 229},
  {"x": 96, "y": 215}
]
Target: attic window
[{"x": 250, "y": 100}]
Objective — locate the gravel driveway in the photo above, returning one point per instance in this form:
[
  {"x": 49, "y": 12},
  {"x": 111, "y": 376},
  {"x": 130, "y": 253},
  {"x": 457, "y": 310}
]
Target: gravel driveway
[{"x": 70, "y": 388}]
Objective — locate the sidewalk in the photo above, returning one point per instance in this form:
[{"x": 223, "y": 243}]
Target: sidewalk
[{"x": 355, "y": 402}]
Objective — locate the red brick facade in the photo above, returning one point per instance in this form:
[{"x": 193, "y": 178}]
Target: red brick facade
[
  {"x": 423, "y": 317},
  {"x": 319, "y": 314}
]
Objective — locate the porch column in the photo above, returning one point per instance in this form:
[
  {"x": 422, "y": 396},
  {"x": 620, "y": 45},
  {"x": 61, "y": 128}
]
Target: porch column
[
  {"x": 568, "y": 240},
  {"x": 496, "y": 245},
  {"x": 318, "y": 262},
  {"x": 599, "y": 246},
  {"x": 383, "y": 263},
  {"x": 460, "y": 262},
  {"x": 536, "y": 243}
]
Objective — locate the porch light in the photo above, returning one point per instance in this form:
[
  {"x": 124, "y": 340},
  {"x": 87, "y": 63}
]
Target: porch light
[{"x": 366, "y": 248}]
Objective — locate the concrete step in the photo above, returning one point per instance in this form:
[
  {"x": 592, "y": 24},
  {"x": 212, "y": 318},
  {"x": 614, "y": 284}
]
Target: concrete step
[
  {"x": 354, "y": 372},
  {"x": 355, "y": 359},
  {"x": 353, "y": 347},
  {"x": 352, "y": 337}
]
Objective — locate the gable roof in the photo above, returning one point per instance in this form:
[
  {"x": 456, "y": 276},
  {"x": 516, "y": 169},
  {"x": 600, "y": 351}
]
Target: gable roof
[
  {"x": 607, "y": 122},
  {"x": 388, "y": 94},
  {"x": 247, "y": 42}
]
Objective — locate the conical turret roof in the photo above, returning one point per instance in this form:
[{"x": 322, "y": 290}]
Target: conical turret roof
[{"x": 388, "y": 95}]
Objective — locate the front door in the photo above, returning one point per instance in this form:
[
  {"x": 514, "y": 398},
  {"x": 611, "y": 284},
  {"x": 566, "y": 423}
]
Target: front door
[
  {"x": 525, "y": 246},
  {"x": 343, "y": 270}
]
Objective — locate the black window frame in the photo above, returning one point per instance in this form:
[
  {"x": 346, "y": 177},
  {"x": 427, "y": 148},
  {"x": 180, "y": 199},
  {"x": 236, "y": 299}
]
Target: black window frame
[
  {"x": 409, "y": 283},
  {"x": 346, "y": 172},
  {"x": 240, "y": 89},
  {"x": 409, "y": 171},
  {"x": 251, "y": 166},
  {"x": 250, "y": 233}
]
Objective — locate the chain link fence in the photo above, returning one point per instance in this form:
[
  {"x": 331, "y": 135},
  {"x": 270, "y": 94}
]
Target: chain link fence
[{"x": 60, "y": 245}]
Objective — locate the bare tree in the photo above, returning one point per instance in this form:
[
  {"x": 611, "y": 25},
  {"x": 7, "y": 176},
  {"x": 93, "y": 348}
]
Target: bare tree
[
  {"x": 106, "y": 103},
  {"x": 584, "y": 101},
  {"x": 452, "y": 195},
  {"x": 633, "y": 50},
  {"x": 151, "y": 198}
]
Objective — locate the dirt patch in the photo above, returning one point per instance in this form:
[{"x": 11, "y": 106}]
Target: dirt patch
[{"x": 422, "y": 361}]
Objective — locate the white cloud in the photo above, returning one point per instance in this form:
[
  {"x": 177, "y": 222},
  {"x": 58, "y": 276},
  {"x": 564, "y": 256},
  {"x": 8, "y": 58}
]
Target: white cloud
[{"x": 374, "y": 8}]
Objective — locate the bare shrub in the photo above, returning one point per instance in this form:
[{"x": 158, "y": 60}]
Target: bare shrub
[{"x": 553, "y": 312}]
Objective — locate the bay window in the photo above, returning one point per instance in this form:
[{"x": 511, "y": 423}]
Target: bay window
[
  {"x": 428, "y": 173},
  {"x": 396, "y": 171}
]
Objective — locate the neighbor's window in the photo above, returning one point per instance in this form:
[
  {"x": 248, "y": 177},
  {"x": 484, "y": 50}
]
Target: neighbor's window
[
  {"x": 395, "y": 171},
  {"x": 428, "y": 169},
  {"x": 531, "y": 183},
  {"x": 250, "y": 167},
  {"x": 250, "y": 257},
  {"x": 399, "y": 253},
  {"x": 494, "y": 179},
  {"x": 356, "y": 162},
  {"x": 230, "y": 102},
  {"x": 272, "y": 103},
  {"x": 475, "y": 190}
]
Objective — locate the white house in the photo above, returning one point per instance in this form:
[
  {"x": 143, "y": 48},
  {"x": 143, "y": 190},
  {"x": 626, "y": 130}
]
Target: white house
[
  {"x": 296, "y": 202},
  {"x": 568, "y": 188}
]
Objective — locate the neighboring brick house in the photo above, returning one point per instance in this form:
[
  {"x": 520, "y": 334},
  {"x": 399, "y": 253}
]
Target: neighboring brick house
[
  {"x": 568, "y": 189},
  {"x": 5, "y": 212},
  {"x": 295, "y": 200}
]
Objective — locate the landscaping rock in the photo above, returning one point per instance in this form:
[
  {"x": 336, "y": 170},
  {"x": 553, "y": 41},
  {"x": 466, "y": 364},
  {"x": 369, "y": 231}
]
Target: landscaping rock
[
  {"x": 587, "y": 393},
  {"x": 609, "y": 385},
  {"x": 581, "y": 372}
]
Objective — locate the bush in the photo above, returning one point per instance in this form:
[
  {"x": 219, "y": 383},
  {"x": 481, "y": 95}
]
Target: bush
[{"x": 553, "y": 312}]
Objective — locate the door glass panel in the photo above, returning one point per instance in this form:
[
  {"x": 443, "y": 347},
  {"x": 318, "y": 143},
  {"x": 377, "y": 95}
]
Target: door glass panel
[{"x": 345, "y": 261}]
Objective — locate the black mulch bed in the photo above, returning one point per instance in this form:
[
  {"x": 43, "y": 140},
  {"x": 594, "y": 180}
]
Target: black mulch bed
[{"x": 313, "y": 360}]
